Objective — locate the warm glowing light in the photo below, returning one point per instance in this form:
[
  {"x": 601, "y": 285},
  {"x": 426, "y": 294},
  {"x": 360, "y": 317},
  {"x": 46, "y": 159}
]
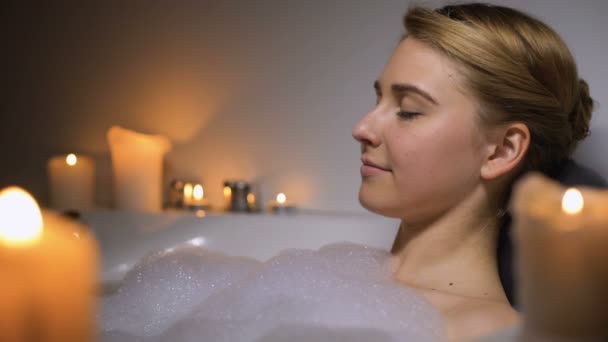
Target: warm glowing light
[
  {"x": 20, "y": 217},
  {"x": 200, "y": 213},
  {"x": 572, "y": 202},
  {"x": 281, "y": 198},
  {"x": 227, "y": 191},
  {"x": 71, "y": 159},
  {"x": 250, "y": 198},
  {"x": 198, "y": 192},
  {"x": 188, "y": 190}
]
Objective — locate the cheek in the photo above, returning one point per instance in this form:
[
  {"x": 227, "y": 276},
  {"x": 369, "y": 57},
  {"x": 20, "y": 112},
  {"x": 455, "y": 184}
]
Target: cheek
[
  {"x": 434, "y": 167},
  {"x": 417, "y": 152},
  {"x": 435, "y": 148},
  {"x": 411, "y": 157}
]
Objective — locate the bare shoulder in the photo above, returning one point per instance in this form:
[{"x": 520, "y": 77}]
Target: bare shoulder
[{"x": 477, "y": 318}]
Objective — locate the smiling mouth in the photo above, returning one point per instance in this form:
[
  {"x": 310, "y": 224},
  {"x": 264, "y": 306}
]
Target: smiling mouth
[
  {"x": 368, "y": 170},
  {"x": 370, "y": 164},
  {"x": 377, "y": 167}
]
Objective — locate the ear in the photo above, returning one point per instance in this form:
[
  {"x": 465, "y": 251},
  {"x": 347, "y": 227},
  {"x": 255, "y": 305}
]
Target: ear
[{"x": 507, "y": 148}]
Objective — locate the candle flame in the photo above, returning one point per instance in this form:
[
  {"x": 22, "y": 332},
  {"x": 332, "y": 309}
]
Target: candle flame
[
  {"x": 20, "y": 217},
  {"x": 227, "y": 191},
  {"x": 250, "y": 198},
  {"x": 198, "y": 192},
  {"x": 572, "y": 202},
  {"x": 281, "y": 198},
  {"x": 188, "y": 190},
  {"x": 71, "y": 159}
]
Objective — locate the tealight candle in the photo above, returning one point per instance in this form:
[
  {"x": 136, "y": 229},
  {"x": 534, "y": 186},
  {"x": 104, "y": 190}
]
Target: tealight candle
[
  {"x": 72, "y": 182},
  {"x": 562, "y": 239},
  {"x": 227, "y": 196},
  {"x": 198, "y": 200},
  {"x": 187, "y": 198},
  {"x": 281, "y": 205},
  {"x": 48, "y": 271},
  {"x": 251, "y": 201}
]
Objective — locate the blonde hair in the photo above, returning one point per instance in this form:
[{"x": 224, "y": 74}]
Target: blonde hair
[{"x": 518, "y": 68}]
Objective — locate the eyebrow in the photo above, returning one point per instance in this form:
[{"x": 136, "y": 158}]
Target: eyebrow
[{"x": 402, "y": 88}]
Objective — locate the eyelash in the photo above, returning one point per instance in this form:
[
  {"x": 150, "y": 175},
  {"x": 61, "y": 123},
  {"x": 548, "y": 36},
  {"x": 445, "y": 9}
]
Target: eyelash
[
  {"x": 407, "y": 115},
  {"x": 401, "y": 113}
]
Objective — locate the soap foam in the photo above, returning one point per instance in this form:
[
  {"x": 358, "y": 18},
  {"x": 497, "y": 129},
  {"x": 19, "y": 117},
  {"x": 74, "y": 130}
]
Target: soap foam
[
  {"x": 166, "y": 286},
  {"x": 342, "y": 292}
]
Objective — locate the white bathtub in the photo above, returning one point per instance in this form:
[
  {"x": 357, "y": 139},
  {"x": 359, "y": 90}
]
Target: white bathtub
[{"x": 125, "y": 237}]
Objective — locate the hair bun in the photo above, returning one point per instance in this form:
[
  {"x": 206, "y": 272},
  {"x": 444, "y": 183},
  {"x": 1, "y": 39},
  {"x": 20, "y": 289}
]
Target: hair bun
[{"x": 581, "y": 114}]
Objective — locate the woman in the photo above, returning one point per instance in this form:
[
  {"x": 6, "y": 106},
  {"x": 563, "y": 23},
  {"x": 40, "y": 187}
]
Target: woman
[{"x": 473, "y": 96}]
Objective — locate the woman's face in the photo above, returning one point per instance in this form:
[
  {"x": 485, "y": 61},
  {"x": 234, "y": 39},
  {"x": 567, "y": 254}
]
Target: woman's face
[{"x": 422, "y": 136}]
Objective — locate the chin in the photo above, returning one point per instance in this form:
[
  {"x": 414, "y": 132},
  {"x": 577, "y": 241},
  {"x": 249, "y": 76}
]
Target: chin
[{"x": 377, "y": 204}]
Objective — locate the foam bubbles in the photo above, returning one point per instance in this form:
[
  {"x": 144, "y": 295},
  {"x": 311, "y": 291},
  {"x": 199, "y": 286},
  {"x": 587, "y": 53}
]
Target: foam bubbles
[
  {"x": 166, "y": 286},
  {"x": 343, "y": 292}
]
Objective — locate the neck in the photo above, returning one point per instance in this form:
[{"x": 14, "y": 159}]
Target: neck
[{"x": 455, "y": 254}]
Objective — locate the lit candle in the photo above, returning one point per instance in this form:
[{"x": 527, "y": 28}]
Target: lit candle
[
  {"x": 137, "y": 161},
  {"x": 48, "y": 271},
  {"x": 72, "y": 182},
  {"x": 197, "y": 200},
  {"x": 227, "y": 196},
  {"x": 562, "y": 242},
  {"x": 251, "y": 201},
  {"x": 188, "y": 190},
  {"x": 281, "y": 205}
]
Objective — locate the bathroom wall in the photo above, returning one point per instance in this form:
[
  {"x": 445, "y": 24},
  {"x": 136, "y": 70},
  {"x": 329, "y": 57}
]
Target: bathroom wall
[{"x": 265, "y": 91}]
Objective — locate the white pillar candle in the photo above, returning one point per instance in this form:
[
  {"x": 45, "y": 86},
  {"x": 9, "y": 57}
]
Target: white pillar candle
[
  {"x": 137, "y": 162},
  {"x": 48, "y": 267},
  {"x": 72, "y": 182},
  {"x": 562, "y": 243}
]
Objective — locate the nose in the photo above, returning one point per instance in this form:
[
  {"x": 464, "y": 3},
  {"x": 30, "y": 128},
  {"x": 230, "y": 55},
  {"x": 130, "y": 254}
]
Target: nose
[{"x": 366, "y": 131}]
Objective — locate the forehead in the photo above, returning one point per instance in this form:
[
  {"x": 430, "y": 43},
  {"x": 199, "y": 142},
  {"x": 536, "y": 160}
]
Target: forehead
[{"x": 414, "y": 62}]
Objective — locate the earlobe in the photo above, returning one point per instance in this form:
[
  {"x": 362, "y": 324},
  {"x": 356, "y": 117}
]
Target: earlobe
[{"x": 507, "y": 152}]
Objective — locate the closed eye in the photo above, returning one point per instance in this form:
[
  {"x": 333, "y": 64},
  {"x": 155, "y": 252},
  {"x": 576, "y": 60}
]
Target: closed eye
[{"x": 407, "y": 115}]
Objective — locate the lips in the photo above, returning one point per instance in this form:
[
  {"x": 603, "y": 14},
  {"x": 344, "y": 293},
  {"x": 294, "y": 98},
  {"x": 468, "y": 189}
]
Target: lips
[
  {"x": 370, "y": 168},
  {"x": 368, "y": 162}
]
